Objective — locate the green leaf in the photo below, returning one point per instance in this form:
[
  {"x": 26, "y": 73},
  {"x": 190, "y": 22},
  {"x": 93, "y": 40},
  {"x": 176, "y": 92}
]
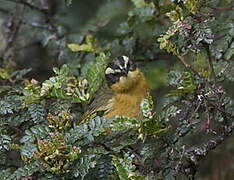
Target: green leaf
[
  {"x": 86, "y": 133},
  {"x": 24, "y": 171},
  {"x": 125, "y": 168},
  {"x": 37, "y": 113},
  {"x": 83, "y": 47},
  {"x": 192, "y": 5},
  {"x": 35, "y": 132},
  {"x": 89, "y": 46},
  {"x": 63, "y": 71},
  {"x": 18, "y": 75},
  {"x": 94, "y": 72},
  {"x": 144, "y": 13},
  {"x": 5, "y": 141},
  {"x": 5, "y": 174},
  {"x": 28, "y": 149},
  {"x": 10, "y": 104},
  {"x": 86, "y": 162},
  {"x": 184, "y": 82},
  {"x": 147, "y": 107},
  {"x": 231, "y": 30},
  {"x": 121, "y": 123},
  {"x": 68, "y": 2},
  {"x": 4, "y": 74},
  {"x": 5, "y": 108},
  {"x": 230, "y": 52},
  {"x": 139, "y": 3}
]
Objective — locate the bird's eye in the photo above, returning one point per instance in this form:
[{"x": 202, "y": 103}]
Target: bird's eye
[{"x": 115, "y": 66}]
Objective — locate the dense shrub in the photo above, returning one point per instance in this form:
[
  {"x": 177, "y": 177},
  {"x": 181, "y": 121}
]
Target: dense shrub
[{"x": 53, "y": 55}]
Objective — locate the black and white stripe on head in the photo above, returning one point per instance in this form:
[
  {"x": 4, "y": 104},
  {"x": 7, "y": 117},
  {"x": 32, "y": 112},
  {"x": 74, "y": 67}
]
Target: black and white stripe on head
[
  {"x": 119, "y": 67},
  {"x": 123, "y": 62}
]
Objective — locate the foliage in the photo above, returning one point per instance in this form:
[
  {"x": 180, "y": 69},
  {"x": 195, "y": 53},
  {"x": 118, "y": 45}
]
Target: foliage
[{"x": 185, "y": 47}]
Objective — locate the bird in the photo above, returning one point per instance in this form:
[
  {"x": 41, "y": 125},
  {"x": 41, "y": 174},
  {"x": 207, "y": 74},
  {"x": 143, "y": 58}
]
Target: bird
[{"x": 124, "y": 88}]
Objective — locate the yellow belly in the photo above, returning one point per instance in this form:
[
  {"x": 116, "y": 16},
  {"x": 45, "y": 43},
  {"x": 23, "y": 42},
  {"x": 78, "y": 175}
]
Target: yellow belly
[
  {"x": 125, "y": 105},
  {"x": 129, "y": 93}
]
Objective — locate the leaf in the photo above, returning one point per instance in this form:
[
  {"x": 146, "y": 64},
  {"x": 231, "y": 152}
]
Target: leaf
[
  {"x": 28, "y": 150},
  {"x": 230, "y": 52},
  {"x": 125, "y": 168},
  {"x": 192, "y": 5},
  {"x": 86, "y": 162},
  {"x": 83, "y": 47},
  {"x": 124, "y": 28},
  {"x": 25, "y": 171},
  {"x": 63, "y": 71},
  {"x": 18, "y": 75},
  {"x": 144, "y": 13},
  {"x": 89, "y": 46},
  {"x": 65, "y": 86},
  {"x": 35, "y": 132},
  {"x": 37, "y": 113},
  {"x": 5, "y": 108},
  {"x": 160, "y": 124},
  {"x": 185, "y": 85},
  {"x": 220, "y": 46},
  {"x": 231, "y": 30},
  {"x": 147, "y": 107},
  {"x": 121, "y": 123},
  {"x": 5, "y": 174},
  {"x": 10, "y": 104},
  {"x": 139, "y": 3},
  {"x": 86, "y": 133},
  {"x": 94, "y": 72},
  {"x": 4, "y": 74},
  {"x": 68, "y": 2},
  {"x": 5, "y": 141}
]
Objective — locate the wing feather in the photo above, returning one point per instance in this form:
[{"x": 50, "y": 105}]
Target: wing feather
[{"x": 101, "y": 104}]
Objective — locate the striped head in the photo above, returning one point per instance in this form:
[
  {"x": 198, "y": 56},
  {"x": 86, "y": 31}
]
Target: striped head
[{"x": 120, "y": 67}]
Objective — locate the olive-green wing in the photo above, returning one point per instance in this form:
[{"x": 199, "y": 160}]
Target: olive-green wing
[{"x": 101, "y": 104}]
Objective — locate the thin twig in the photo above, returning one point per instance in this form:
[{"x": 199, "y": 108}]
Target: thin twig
[
  {"x": 190, "y": 126},
  {"x": 221, "y": 110},
  {"x": 29, "y": 5},
  {"x": 222, "y": 8},
  {"x": 189, "y": 67},
  {"x": 210, "y": 62},
  {"x": 158, "y": 57},
  {"x": 38, "y": 25},
  {"x": 14, "y": 29},
  {"x": 4, "y": 11}
]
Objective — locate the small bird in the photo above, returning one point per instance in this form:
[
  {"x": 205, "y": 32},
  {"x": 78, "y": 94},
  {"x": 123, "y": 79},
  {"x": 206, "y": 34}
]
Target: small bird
[{"x": 125, "y": 87}]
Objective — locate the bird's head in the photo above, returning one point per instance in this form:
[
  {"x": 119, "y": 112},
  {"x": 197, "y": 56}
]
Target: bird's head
[{"x": 122, "y": 74}]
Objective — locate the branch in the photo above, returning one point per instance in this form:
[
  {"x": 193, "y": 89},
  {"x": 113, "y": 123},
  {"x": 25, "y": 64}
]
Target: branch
[
  {"x": 14, "y": 27},
  {"x": 188, "y": 123},
  {"x": 158, "y": 57},
  {"x": 222, "y": 8},
  {"x": 4, "y": 11},
  {"x": 194, "y": 155},
  {"x": 210, "y": 62},
  {"x": 43, "y": 10},
  {"x": 39, "y": 26},
  {"x": 189, "y": 67}
]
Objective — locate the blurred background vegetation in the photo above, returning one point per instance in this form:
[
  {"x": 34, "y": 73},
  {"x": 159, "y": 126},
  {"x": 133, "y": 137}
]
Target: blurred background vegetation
[{"x": 41, "y": 34}]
